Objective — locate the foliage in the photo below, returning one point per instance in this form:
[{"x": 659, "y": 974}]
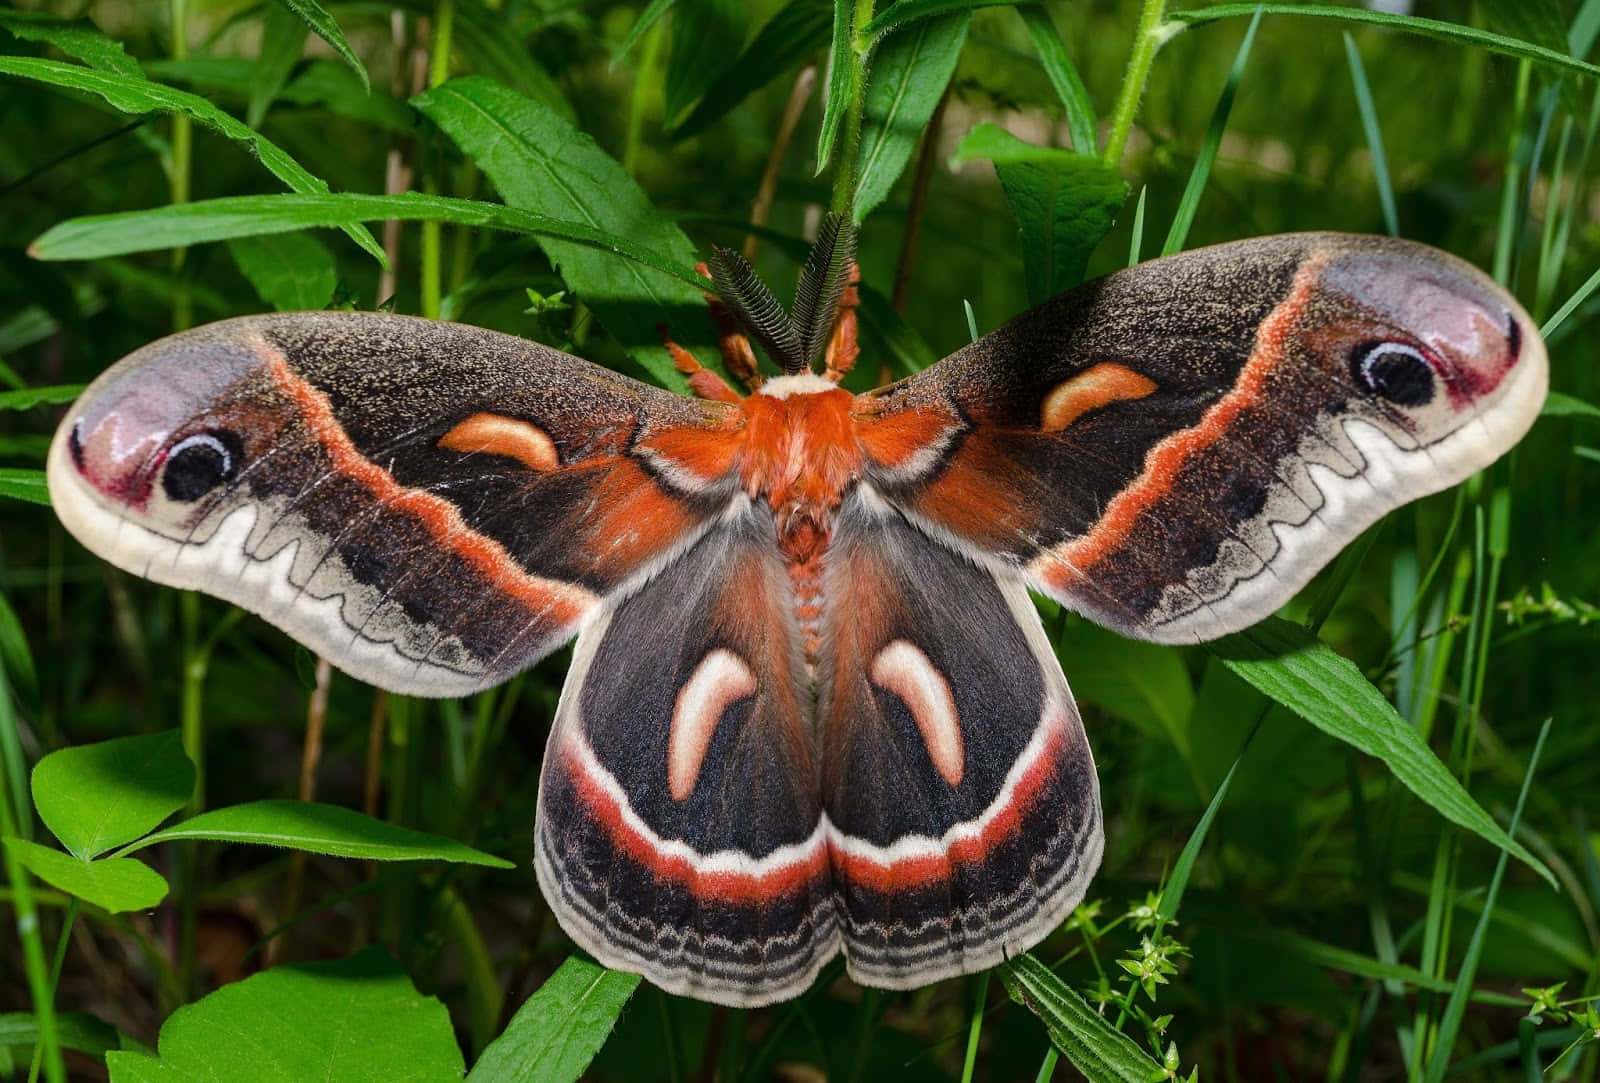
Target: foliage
[{"x": 1308, "y": 825}]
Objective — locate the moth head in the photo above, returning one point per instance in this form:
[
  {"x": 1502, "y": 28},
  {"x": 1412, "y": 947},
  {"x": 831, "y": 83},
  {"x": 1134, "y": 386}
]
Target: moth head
[
  {"x": 1423, "y": 343},
  {"x": 161, "y": 438}
]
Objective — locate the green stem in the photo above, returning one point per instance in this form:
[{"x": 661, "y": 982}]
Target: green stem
[
  {"x": 182, "y": 161},
  {"x": 196, "y": 660},
  {"x": 849, "y": 149},
  {"x": 55, "y": 978},
  {"x": 1147, "y": 41},
  {"x": 444, "y": 18},
  {"x": 975, "y": 1029}
]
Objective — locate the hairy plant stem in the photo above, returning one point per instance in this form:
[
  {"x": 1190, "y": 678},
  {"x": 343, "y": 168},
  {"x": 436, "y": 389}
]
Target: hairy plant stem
[
  {"x": 1147, "y": 41},
  {"x": 849, "y": 148}
]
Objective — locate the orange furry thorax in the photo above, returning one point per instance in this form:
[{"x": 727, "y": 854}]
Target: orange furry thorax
[{"x": 799, "y": 454}]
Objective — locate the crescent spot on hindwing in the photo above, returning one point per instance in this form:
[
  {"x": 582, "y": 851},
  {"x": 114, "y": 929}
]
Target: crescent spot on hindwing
[{"x": 431, "y": 506}]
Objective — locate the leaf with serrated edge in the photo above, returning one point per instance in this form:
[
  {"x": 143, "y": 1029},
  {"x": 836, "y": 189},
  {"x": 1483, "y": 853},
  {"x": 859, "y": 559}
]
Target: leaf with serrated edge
[
  {"x": 557, "y": 1032},
  {"x": 326, "y": 27}
]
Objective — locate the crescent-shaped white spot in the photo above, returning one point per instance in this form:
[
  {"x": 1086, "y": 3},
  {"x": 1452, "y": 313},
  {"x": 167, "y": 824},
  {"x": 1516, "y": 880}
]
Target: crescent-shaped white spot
[
  {"x": 720, "y": 680},
  {"x": 903, "y": 669}
]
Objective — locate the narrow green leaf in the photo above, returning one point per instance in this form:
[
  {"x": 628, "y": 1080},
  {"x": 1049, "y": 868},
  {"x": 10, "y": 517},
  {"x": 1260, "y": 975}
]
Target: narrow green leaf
[
  {"x": 1455, "y": 1008},
  {"x": 320, "y": 829},
  {"x": 28, "y": 398},
  {"x": 174, "y": 226},
  {"x": 1555, "y": 405},
  {"x": 706, "y": 36},
  {"x": 324, "y": 83},
  {"x": 905, "y": 11},
  {"x": 1585, "y": 27},
  {"x": 557, "y": 1032},
  {"x": 1201, "y": 173},
  {"x": 541, "y": 163},
  {"x": 840, "y": 89},
  {"x": 1097, "y": 1049},
  {"x": 1063, "y": 75},
  {"x": 490, "y": 51},
  {"x": 1579, "y": 296},
  {"x": 358, "y": 1020},
  {"x": 1411, "y": 24},
  {"x": 1293, "y": 667},
  {"x": 292, "y": 272},
  {"x": 15, "y": 654},
  {"x": 96, "y": 797},
  {"x": 1178, "y": 880},
  {"x": 78, "y": 1030},
  {"x": 79, "y": 39},
  {"x": 283, "y": 39},
  {"x": 21, "y": 484},
  {"x": 910, "y": 72},
  {"x": 647, "y": 18},
  {"x": 791, "y": 36},
  {"x": 117, "y": 884},
  {"x": 326, "y": 27},
  {"x": 136, "y": 95},
  {"x": 1369, "y": 125},
  {"x": 1064, "y": 203}
]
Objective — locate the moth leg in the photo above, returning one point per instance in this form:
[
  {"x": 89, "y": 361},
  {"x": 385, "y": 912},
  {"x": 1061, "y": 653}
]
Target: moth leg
[
  {"x": 843, "y": 347},
  {"x": 702, "y": 381}
]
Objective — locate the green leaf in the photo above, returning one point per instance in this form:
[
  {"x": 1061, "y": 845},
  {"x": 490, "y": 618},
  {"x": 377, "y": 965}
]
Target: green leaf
[
  {"x": 1411, "y": 24},
  {"x": 1293, "y": 667},
  {"x": 557, "y": 1032},
  {"x": 1063, "y": 75},
  {"x": 1555, "y": 405},
  {"x": 316, "y": 17},
  {"x": 647, "y": 18},
  {"x": 292, "y": 272},
  {"x": 1098, "y": 1050},
  {"x": 324, "y": 83},
  {"x": 80, "y": 39},
  {"x": 1374, "y": 133},
  {"x": 358, "y": 1020},
  {"x": 15, "y": 654},
  {"x": 840, "y": 90},
  {"x": 1571, "y": 304},
  {"x": 100, "y": 796},
  {"x": 21, "y": 484},
  {"x": 177, "y": 225},
  {"x": 283, "y": 39},
  {"x": 910, "y": 72},
  {"x": 907, "y": 350},
  {"x": 320, "y": 829},
  {"x": 1145, "y": 683},
  {"x": 706, "y": 34},
  {"x": 28, "y": 398},
  {"x": 117, "y": 884},
  {"x": 906, "y": 10},
  {"x": 1064, "y": 203},
  {"x": 135, "y": 95},
  {"x": 541, "y": 163},
  {"x": 77, "y": 1030},
  {"x": 798, "y": 29}
]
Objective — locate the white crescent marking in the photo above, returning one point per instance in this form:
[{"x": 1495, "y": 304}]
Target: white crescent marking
[
  {"x": 903, "y": 669},
  {"x": 721, "y": 679}
]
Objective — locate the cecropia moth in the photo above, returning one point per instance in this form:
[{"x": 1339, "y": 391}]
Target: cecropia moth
[{"x": 812, "y": 708}]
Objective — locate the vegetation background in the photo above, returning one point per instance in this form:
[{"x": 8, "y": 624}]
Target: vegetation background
[{"x": 1274, "y": 903}]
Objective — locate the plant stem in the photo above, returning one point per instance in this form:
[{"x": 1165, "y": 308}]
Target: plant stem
[
  {"x": 55, "y": 978},
  {"x": 182, "y": 158},
  {"x": 1147, "y": 41},
  {"x": 918, "y": 206},
  {"x": 849, "y": 150},
  {"x": 438, "y": 71}
]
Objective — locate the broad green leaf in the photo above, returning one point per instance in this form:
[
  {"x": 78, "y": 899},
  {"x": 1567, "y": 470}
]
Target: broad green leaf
[
  {"x": 77, "y": 1030},
  {"x": 541, "y": 163},
  {"x": 706, "y": 36},
  {"x": 557, "y": 1032},
  {"x": 292, "y": 272},
  {"x": 117, "y": 884},
  {"x": 1555, "y": 405},
  {"x": 905, "y": 11},
  {"x": 320, "y": 829},
  {"x": 80, "y": 39},
  {"x": 100, "y": 796},
  {"x": 791, "y": 36},
  {"x": 1145, "y": 683},
  {"x": 1063, "y": 75},
  {"x": 840, "y": 85},
  {"x": 283, "y": 39},
  {"x": 358, "y": 1020},
  {"x": 20, "y": 484},
  {"x": 326, "y": 27},
  {"x": 1064, "y": 203},
  {"x": 909, "y": 75},
  {"x": 176, "y": 225},
  {"x": 136, "y": 95},
  {"x": 1097, "y": 1049},
  {"x": 1291, "y": 666},
  {"x": 1411, "y": 24},
  {"x": 28, "y": 398}
]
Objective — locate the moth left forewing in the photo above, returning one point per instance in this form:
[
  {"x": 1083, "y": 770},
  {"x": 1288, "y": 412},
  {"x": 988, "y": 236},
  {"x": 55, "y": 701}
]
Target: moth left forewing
[
  {"x": 962, "y": 803},
  {"x": 1178, "y": 448}
]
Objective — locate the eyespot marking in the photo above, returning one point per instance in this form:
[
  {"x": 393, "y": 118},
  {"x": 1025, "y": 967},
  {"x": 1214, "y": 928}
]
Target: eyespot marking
[
  {"x": 1394, "y": 371},
  {"x": 720, "y": 680},
  {"x": 198, "y": 464},
  {"x": 1094, "y": 387},
  {"x": 496, "y": 434},
  {"x": 902, "y": 668}
]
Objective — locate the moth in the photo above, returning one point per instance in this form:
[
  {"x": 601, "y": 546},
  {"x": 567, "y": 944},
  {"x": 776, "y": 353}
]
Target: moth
[{"x": 812, "y": 707}]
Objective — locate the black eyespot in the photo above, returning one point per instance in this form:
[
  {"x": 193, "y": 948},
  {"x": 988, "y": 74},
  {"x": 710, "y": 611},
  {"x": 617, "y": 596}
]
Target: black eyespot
[
  {"x": 1393, "y": 371},
  {"x": 198, "y": 464}
]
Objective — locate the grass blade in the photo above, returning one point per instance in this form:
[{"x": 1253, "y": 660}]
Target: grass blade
[
  {"x": 1063, "y": 75},
  {"x": 1369, "y": 124}
]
